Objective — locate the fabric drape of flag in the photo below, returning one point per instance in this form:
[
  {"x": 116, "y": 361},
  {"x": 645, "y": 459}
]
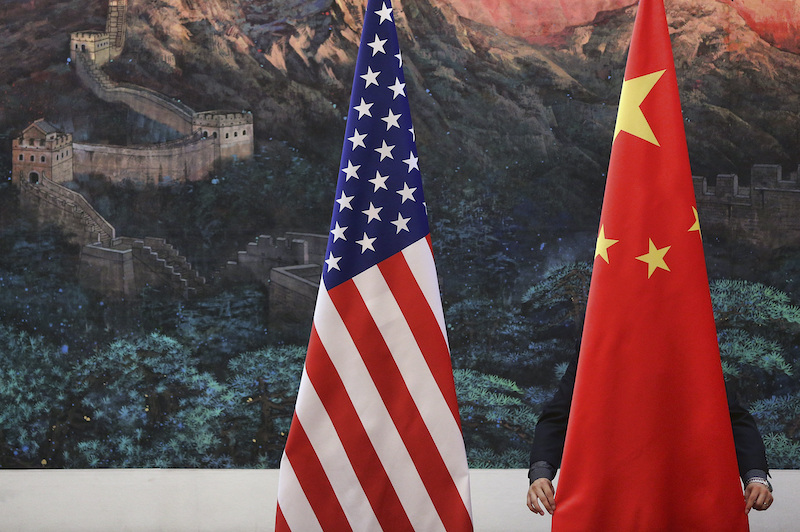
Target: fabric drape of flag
[
  {"x": 649, "y": 444},
  {"x": 375, "y": 441}
]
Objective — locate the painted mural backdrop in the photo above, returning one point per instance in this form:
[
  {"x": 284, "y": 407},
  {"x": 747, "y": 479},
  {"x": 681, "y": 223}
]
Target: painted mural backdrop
[{"x": 168, "y": 171}]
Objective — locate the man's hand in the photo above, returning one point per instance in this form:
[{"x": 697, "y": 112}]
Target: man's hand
[
  {"x": 756, "y": 496},
  {"x": 541, "y": 491}
]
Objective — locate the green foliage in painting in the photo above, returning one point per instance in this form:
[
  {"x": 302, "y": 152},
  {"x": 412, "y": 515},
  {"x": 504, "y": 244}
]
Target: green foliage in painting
[
  {"x": 221, "y": 326},
  {"x": 480, "y": 262},
  {"x": 739, "y": 302},
  {"x": 755, "y": 325},
  {"x": 205, "y": 382},
  {"x": 33, "y": 378},
  {"x": 38, "y": 288},
  {"x": 261, "y": 391},
  {"x": 145, "y": 403},
  {"x": 504, "y": 352},
  {"x": 778, "y": 418},
  {"x": 496, "y": 421},
  {"x": 782, "y": 452},
  {"x": 561, "y": 295}
]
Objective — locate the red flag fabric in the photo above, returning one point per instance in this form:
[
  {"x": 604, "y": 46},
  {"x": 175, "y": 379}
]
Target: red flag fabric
[
  {"x": 649, "y": 444},
  {"x": 375, "y": 441}
]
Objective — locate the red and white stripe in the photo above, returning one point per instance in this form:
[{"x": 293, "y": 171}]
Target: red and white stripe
[{"x": 375, "y": 442}]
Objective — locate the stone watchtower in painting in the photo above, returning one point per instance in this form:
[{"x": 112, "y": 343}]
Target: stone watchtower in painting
[
  {"x": 231, "y": 132},
  {"x": 95, "y": 44},
  {"x": 42, "y": 152},
  {"x": 102, "y": 46}
]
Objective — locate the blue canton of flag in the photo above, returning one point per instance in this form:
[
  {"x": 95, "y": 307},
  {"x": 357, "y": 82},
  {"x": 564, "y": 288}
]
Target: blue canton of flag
[{"x": 379, "y": 207}]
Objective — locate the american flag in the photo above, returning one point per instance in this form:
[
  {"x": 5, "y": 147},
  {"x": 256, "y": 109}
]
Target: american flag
[{"x": 375, "y": 441}]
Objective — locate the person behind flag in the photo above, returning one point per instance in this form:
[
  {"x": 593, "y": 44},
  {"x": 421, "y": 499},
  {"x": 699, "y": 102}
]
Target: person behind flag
[
  {"x": 548, "y": 446},
  {"x": 375, "y": 441},
  {"x": 649, "y": 417}
]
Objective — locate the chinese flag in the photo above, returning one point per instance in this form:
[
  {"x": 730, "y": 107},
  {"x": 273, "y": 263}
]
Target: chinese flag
[{"x": 649, "y": 445}]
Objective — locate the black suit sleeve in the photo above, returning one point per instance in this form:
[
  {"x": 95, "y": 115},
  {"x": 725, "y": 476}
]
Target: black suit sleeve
[
  {"x": 750, "y": 451},
  {"x": 551, "y": 429}
]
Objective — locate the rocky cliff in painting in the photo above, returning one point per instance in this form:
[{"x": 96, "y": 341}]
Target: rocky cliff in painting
[
  {"x": 494, "y": 112},
  {"x": 291, "y": 63},
  {"x": 776, "y": 21}
]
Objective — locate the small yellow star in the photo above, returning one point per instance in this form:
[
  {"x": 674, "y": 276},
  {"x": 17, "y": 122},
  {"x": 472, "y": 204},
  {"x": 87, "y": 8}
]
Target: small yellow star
[
  {"x": 654, "y": 258},
  {"x": 603, "y": 244},
  {"x": 696, "y": 225},
  {"x": 630, "y": 117}
]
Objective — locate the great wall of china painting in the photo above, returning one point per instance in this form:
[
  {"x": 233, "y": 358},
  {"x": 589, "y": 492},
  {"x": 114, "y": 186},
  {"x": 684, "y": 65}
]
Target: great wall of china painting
[{"x": 168, "y": 173}]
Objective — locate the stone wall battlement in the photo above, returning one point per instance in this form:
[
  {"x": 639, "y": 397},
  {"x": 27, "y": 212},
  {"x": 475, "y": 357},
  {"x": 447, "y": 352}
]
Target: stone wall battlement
[
  {"x": 291, "y": 249},
  {"x": 765, "y": 213},
  {"x": 187, "y": 159},
  {"x": 89, "y": 35},
  {"x": 115, "y": 24},
  {"x": 222, "y": 118},
  {"x": 60, "y": 141},
  {"x": 147, "y": 102},
  {"x": 763, "y": 177},
  {"x": 125, "y": 266},
  {"x": 143, "y": 148},
  {"x": 69, "y": 209},
  {"x": 267, "y": 253}
]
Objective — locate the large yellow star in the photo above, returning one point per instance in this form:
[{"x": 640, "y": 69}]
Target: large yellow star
[
  {"x": 630, "y": 117},
  {"x": 654, "y": 258},
  {"x": 696, "y": 225},
  {"x": 603, "y": 244}
]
